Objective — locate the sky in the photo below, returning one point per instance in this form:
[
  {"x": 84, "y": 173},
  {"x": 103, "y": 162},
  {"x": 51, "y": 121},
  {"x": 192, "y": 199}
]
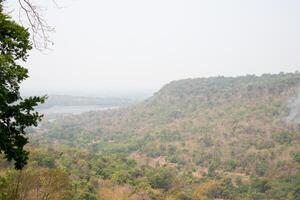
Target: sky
[{"x": 138, "y": 45}]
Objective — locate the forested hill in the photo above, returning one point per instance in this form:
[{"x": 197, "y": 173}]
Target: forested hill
[
  {"x": 216, "y": 138},
  {"x": 202, "y": 102}
]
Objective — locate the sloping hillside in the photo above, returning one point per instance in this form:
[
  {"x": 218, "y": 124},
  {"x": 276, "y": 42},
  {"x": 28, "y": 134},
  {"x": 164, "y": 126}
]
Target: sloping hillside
[
  {"x": 239, "y": 127},
  {"x": 232, "y": 118}
]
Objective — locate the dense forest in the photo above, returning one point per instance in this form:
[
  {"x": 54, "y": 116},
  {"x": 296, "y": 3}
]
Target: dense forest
[{"x": 195, "y": 139}]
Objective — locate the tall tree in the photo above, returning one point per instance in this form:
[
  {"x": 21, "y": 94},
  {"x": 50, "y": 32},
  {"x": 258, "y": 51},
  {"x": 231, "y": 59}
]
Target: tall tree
[{"x": 16, "y": 113}]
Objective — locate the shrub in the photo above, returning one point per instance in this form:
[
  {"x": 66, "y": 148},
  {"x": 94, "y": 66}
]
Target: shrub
[
  {"x": 283, "y": 137},
  {"x": 161, "y": 178},
  {"x": 296, "y": 156}
]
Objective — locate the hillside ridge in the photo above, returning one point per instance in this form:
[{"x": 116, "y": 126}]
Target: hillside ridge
[{"x": 209, "y": 129}]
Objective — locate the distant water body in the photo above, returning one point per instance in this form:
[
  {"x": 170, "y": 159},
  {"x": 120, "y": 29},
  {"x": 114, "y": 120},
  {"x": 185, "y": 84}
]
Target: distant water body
[{"x": 75, "y": 110}]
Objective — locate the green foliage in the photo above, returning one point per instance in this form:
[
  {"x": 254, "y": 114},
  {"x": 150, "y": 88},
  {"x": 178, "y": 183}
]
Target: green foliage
[
  {"x": 261, "y": 168},
  {"x": 16, "y": 113},
  {"x": 161, "y": 178},
  {"x": 177, "y": 160},
  {"x": 284, "y": 137},
  {"x": 296, "y": 193},
  {"x": 232, "y": 165},
  {"x": 296, "y": 156},
  {"x": 184, "y": 196},
  {"x": 260, "y": 185},
  {"x": 86, "y": 196},
  {"x": 43, "y": 159}
]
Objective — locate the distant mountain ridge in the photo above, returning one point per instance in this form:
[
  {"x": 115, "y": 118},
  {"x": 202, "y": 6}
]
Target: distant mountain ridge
[{"x": 186, "y": 97}]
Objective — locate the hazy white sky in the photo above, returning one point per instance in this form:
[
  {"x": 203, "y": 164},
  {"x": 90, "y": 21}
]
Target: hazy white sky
[{"x": 139, "y": 44}]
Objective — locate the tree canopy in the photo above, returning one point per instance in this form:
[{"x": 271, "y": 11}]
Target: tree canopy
[{"x": 16, "y": 113}]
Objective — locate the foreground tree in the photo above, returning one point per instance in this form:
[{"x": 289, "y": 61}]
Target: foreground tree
[{"x": 16, "y": 113}]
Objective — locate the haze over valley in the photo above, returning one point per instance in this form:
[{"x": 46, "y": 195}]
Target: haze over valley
[
  {"x": 65, "y": 104},
  {"x": 149, "y": 100}
]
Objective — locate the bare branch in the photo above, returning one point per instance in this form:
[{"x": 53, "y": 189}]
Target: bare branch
[{"x": 39, "y": 28}]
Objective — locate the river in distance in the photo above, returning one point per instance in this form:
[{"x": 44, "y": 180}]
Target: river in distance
[{"x": 75, "y": 110}]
